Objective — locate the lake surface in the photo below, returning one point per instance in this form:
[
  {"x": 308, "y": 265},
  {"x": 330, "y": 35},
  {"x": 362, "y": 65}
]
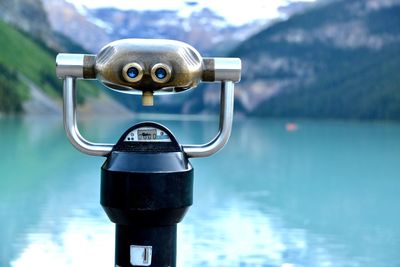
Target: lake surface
[{"x": 327, "y": 194}]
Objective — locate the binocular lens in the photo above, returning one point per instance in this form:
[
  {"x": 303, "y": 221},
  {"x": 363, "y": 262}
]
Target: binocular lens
[
  {"x": 132, "y": 72},
  {"x": 161, "y": 73}
]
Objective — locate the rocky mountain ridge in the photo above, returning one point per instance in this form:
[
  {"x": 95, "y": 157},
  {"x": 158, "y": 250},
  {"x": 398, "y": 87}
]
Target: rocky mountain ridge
[
  {"x": 93, "y": 28},
  {"x": 340, "y": 60}
]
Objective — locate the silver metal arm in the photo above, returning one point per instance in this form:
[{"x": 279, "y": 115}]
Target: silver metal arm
[
  {"x": 192, "y": 151},
  {"x": 70, "y": 125},
  {"x": 225, "y": 126}
]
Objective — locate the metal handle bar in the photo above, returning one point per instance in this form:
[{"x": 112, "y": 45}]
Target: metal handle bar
[{"x": 193, "y": 151}]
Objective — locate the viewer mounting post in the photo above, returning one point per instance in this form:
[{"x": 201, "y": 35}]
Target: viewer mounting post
[{"x": 147, "y": 179}]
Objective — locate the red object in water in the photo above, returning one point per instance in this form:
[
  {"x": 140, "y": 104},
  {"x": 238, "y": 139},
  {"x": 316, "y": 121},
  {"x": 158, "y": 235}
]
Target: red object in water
[{"x": 291, "y": 127}]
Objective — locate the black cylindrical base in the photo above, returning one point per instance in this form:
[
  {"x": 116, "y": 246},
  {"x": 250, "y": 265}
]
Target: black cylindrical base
[{"x": 145, "y": 246}]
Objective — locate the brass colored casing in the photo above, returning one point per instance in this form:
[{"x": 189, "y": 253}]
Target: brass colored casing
[{"x": 184, "y": 62}]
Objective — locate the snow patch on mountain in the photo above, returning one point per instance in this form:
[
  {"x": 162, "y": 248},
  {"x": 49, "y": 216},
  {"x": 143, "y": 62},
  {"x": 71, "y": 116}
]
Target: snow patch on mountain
[{"x": 234, "y": 12}]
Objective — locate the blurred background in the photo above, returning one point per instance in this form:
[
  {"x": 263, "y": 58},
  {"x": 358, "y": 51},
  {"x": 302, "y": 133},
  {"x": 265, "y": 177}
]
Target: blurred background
[{"x": 310, "y": 176}]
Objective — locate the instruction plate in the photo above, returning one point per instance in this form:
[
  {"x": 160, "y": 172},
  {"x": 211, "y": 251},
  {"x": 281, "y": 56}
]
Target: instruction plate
[{"x": 147, "y": 134}]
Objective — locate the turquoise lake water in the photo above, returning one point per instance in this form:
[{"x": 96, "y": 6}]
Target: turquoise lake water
[{"x": 327, "y": 194}]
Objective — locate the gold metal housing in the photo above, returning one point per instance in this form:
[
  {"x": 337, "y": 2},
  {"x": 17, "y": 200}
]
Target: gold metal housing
[{"x": 183, "y": 63}]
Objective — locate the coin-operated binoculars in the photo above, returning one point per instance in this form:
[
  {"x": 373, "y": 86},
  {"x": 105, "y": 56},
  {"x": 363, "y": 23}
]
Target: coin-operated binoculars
[{"x": 147, "y": 179}]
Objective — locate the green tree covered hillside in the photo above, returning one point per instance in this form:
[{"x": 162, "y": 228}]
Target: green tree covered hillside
[{"x": 25, "y": 61}]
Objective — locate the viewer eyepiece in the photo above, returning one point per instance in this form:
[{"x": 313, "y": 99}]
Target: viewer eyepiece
[
  {"x": 132, "y": 72},
  {"x": 161, "y": 73}
]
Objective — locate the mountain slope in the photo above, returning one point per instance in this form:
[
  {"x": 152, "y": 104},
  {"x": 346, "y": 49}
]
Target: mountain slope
[
  {"x": 27, "y": 15},
  {"x": 29, "y": 46},
  {"x": 25, "y": 61},
  {"x": 339, "y": 60},
  {"x": 30, "y": 16},
  {"x": 12, "y": 91}
]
